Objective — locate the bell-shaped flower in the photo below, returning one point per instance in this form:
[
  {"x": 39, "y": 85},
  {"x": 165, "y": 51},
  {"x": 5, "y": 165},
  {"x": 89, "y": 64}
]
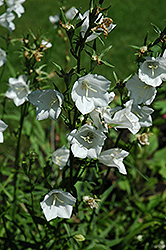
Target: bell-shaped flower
[
  {"x": 87, "y": 142},
  {"x": 114, "y": 158},
  {"x": 103, "y": 25},
  {"x": 153, "y": 71},
  {"x": 140, "y": 92},
  {"x": 2, "y": 57},
  {"x": 19, "y": 89},
  {"x": 143, "y": 114},
  {"x": 6, "y": 20},
  {"x": 47, "y": 102},
  {"x": 90, "y": 92},
  {"x": 61, "y": 156},
  {"x": 15, "y": 5},
  {"x": 57, "y": 203},
  {"x": 3, "y": 126},
  {"x": 97, "y": 115},
  {"x": 124, "y": 118}
]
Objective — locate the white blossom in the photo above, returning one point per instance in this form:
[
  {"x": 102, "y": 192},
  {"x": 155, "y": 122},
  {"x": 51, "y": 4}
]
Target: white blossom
[
  {"x": 114, "y": 158},
  {"x": 61, "y": 156},
  {"x": 19, "y": 89},
  {"x": 47, "y": 102},
  {"x": 90, "y": 92},
  {"x": 143, "y": 114},
  {"x": 153, "y": 71},
  {"x": 6, "y": 20},
  {"x": 2, "y": 57},
  {"x": 57, "y": 203},
  {"x": 124, "y": 118},
  {"x": 15, "y": 5},
  {"x": 103, "y": 24},
  {"x": 87, "y": 142},
  {"x": 3, "y": 126},
  {"x": 140, "y": 92}
]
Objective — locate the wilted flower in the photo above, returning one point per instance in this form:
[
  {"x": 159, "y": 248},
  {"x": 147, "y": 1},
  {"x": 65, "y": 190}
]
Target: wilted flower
[
  {"x": 48, "y": 103},
  {"x": 153, "y": 71},
  {"x": 91, "y": 201},
  {"x": 140, "y": 92},
  {"x": 90, "y": 92},
  {"x": 2, "y": 57},
  {"x": 57, "y": 203},
  {"x": 87, "y": 142},
  {"x": 6, "y": 20},
  {"x": 114, "y": 158},
  {"x": 18, "y": 90},
  {"x": 15, "y": 5},
  {"x": 124, "y": 118},
  {"x": 61, "y": 156},
  {"x": 3, "y": 126},
  {"x": 102, "y": 25},
  {"x": 143, "y": 138}
]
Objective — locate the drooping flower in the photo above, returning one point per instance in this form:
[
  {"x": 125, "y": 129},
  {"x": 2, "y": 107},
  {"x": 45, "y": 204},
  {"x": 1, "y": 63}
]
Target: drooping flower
[
  {"x": 3, "y": 126},
  {"x": 153, "y": 71},
  {"x": 19, "y": 89},
  {"x": 6, "y": 20},
  {"x": 124, "y": 118},
  {"x": 61, "y": 156},
  {"x": 114, "y": 158},
  {"x": 47, "y": 102},
  {"x": 140, "y": 92},
  {"x": 143, "y": 114},
  {"x": 97, "y": 115},
  {"x": 2, "y": 57},
  {"x": 57, "y": 203},
  {"x": 103, "y": 25},
  {"x": 15, "y": 5},
  {"x": 87, "y": 142},
  {"x": 90, "y": 92}
]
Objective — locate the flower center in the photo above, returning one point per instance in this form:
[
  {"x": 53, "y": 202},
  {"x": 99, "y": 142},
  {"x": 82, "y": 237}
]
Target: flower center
[
  {"x": 152, "y": 66},
  {"x": 87, "y": 86},
  {"x": 88, "y": 138},
  {"x": 19, "y": 89},
  {"x": 56, "y": 198},
  {"x": 58, "y": 159},
  {"x": 52, "y": 102}
]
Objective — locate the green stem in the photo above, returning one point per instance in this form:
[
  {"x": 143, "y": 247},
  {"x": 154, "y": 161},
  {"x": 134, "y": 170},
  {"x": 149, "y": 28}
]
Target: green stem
[{"x": 17, "y": 155}]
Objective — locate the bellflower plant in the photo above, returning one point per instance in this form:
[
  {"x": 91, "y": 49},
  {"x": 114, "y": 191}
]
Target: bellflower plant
[
  {"x": 3, "y": 126},
  {"x": 90, "y": 92},
  {"x": 57, "y": 203},
  {"x": 61, "y": 156},
  {"x": 19, "y": 89},
  {"x": 47, "y": 102},
  {"x": 114, "y": 158},
  {"x": 87, "y": 142}
]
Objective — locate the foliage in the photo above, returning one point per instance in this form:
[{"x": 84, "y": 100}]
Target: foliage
[{"x": 121, "y": 211}]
